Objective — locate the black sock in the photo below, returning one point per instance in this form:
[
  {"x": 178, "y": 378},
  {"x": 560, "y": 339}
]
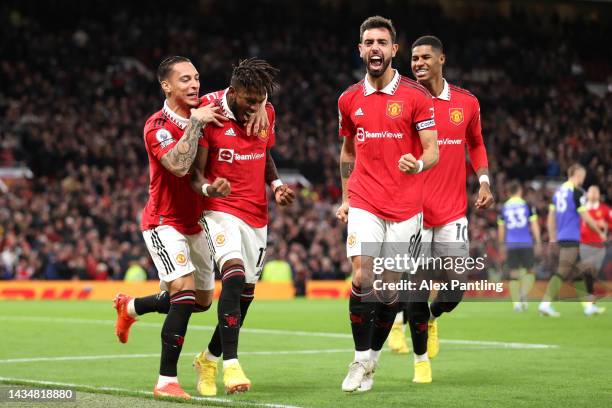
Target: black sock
[
  {"x": 174, "y": 329},
  {"x": 228, "y": 311},
  {"x": 214, "y": 346},
  {"x": 361, "y": 313},
  {"x": 446, "y": 301},
  {"x": 418, "y": 313},
  {"x": 160, "y": 303},
  {"x": 384, "y": 316},
  {"x": 404, "y": 307},
  {"x": 590, "y": 283}
]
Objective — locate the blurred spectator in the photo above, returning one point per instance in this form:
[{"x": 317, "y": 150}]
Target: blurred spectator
[{"x": 77, "y": 89}]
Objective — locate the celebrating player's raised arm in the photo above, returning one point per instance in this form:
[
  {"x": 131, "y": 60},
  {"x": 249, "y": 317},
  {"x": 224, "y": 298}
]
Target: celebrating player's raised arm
[
  {"x": 429, "y": 140},
  {"x": 179, "y": 159}
]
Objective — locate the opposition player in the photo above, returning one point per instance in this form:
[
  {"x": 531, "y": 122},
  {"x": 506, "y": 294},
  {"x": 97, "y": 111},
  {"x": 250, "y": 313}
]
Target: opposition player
[
  {"x": 444, "y": 193},
  {"x": 592, "y": 243},
  {"x": 389, "y": 137},
  {"x": 169, "y": 222},
  {"x": 564, "y": 215},
  {"x": 518, "y": 229},
  {"x": 237, "y": 224}
]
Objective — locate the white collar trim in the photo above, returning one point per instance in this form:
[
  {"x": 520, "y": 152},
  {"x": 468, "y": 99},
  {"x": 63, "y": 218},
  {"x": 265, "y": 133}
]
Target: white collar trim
[
  {"x": 389, "y": 89},
  {"x": 445, "y": 95},
  {"x": 227, "y": 112},
  {"x": 175, "y": 118}
]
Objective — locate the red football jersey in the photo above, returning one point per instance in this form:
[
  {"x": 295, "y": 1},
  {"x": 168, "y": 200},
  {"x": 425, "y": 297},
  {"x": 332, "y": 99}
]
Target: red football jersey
[
  {"x": 171, "y": 199},
  {"x": 458, "y": 123},
  {"x": 602, "y": 214},
  {"x": 385, "y": 126},
  {"x": 241, "y": 159}
]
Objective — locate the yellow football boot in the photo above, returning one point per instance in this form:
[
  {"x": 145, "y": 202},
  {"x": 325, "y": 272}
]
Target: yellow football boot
[
  {"x": 207, "y": 375},
  {"x": 433, "y": 341},
  {"x": 422, "y": 372},
  {"x": 235, "y": 380},
  {"x": 397, "y": 339}
]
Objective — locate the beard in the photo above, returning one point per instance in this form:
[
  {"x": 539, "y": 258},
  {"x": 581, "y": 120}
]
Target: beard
[{"x": 377, "y": 72}]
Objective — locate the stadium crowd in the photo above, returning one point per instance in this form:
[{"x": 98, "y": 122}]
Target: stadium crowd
[{"x": 77, "y": 90}]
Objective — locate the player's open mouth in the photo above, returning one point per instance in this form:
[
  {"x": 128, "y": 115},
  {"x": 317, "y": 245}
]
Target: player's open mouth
[
  {"x": 192, "y": 95},
  {"x": 376, "y": 61}
]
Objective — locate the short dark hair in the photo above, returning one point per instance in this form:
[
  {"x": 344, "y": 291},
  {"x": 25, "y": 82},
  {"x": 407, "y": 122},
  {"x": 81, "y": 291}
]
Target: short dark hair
[
  {"x": 514, "y": 186},
  {"x": 165, "y": 67},
  {"x": 253, "y": 73},
  {"x": 574, "y": 168},
  {"x": 377, "y": 22},
  {"x": 431, "y": 40}
]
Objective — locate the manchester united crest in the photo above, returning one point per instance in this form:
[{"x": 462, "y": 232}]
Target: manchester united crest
[
  {"x": 352, "y": 239},
  {"x": 181, "y": 259},
  {"x": 263, "y": 134},
  {"x": 220, "y": 239},
  {"x": 456, "y": 115},
  {"x": 394, "y": 109}
]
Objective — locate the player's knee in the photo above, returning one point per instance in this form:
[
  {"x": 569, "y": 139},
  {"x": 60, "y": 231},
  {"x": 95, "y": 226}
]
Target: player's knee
[
  {"x": 172, "y": 340},
  {"x": 199, "y": 308},
  {"x": 182, "y": 283},
  {"x": 232, "y": 282}
]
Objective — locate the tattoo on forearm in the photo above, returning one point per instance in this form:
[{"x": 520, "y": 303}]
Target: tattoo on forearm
[
  {"x": 271, "y": 172},
  {"x": 182, "y": 155},
  {"x": 346, "y": 168}
]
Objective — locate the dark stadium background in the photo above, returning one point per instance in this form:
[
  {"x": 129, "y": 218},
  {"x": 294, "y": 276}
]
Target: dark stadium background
[{"x": 78, "y": 83}]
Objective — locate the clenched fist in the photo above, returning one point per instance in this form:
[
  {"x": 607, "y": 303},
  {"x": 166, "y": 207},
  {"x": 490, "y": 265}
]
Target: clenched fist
[{"x": 219, "y": 188}]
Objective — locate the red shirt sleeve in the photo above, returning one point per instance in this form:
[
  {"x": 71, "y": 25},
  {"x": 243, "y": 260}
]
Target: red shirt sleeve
[
  {"x": 346, "y": 128},
  {"x": 423, "y": 112},
  {"x": 272, "y": 118},
  {"x": 475, "y": 142},
  {"x": 159, "y": 140}
]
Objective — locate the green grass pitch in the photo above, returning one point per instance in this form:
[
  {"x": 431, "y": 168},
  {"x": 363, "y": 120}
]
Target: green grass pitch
[{"x": 296, "y": 353}]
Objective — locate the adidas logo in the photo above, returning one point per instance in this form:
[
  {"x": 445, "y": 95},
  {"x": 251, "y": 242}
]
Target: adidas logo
[
  {"x": 230, "y": 132},
  {"x": 359, "y": 112}
]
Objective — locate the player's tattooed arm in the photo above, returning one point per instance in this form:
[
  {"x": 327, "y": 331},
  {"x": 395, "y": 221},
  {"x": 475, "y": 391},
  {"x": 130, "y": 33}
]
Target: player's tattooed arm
[
  {"x": 347, "y": 165},
  {"x": 346, "y": 168},
  {"x": 179, "y": 159}
]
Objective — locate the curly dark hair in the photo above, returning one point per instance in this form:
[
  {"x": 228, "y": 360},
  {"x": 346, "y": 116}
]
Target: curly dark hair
[{"x": 253, "y": 73}]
